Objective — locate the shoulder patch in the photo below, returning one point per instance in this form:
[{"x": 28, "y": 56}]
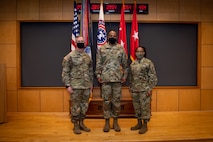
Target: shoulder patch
[{"x": 67, "y": 56}]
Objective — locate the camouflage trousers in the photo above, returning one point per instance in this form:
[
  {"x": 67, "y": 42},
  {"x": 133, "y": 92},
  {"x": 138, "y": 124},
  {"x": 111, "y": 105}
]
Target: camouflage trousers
[
  {"x": 80, "y": 102},
  {"x": 141, "y": 103},
  {"x": 111, "y": 94}
]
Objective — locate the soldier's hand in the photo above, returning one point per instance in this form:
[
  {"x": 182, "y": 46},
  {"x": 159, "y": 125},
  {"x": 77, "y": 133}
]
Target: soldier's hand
[
  {"x": 69, "y": 89},
  {"x": 123, "y": 80},
  {"x": 91, "y": 88},
  {"x": 99, "y": 80},
  {"x": 149, "y": 93}
]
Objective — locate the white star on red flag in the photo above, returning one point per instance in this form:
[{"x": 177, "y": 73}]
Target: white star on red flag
[
  {"x": 122, "y": 43},
  {"x": 135, "y": 35}
]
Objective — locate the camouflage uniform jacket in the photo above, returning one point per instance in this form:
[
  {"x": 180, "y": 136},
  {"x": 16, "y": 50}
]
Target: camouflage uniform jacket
[
  {"x": 142, "y": 75},
  {"x": 77, "y": 70},
  {"x": 111, "y": 63}
]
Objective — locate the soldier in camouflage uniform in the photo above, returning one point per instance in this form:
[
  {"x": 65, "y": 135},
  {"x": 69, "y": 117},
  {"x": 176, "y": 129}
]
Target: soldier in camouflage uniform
[
  {"x": 77, "y": 75},
  {"x": 142, "y": 80},
  {"x": 111, "y": 71}
]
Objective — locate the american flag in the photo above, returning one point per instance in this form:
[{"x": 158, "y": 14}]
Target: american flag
[
  {"x": 75, "y": 27},
  {"x": 101, "y": 34}
]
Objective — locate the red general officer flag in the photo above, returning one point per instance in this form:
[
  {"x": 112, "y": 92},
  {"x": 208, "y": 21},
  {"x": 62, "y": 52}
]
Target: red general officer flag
[
  {"x": 86, "y": 24},
  {"x": 122, "y": 30},
  {"x": 134, "y": 39}
]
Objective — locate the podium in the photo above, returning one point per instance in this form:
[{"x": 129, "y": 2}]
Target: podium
[{"x": 95, "y": 109}]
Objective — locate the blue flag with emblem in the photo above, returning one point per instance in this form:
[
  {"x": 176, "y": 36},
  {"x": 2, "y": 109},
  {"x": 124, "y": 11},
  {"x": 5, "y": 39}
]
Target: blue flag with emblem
[{"x": 101, "y": 34}]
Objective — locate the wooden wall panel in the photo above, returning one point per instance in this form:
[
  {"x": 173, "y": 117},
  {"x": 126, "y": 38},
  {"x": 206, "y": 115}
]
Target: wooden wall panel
[
  {"x": 206, "y": 33},
  {"x": 167, "y": 100},
  {"x": 12, "y": 101},
  {"x": 154, "y": 101},
  {"x": 189, "y": 99},
  {"x": 3, "y": 92},
  {"x": 52, "y": 100},
  {"x": 11, "y": 79},
  {"x": 116, "y": 17},
  {"x": 8, "y": 54},
  {"x": 95, "y": 17},
  {"x": 206, "y": 10},
  {"x": 50, "y": 9},
  {"x": 67, "y": 10},
  {"x": 66, "y": 101},
  {"x": 28, "y": 100},
  {"x": 107, "y": 17},
  {"x": 206, "y": 99},
  {"x": 207, "y": 58},
  {"x": 8, "y": 32},
  {"x": 8, "y": 10},
  {"x": 27, "y": 9},
  {"x": 167, "y": 10},
  {"x": 207, "y": 78},
  {"x": 189, "y": 10}
]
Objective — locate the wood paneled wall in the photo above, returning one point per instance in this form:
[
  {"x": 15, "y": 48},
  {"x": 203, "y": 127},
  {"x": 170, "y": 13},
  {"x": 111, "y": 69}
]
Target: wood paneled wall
[
  {"x": 3, "y": 105},
  {"x": 56, "y": 99}
]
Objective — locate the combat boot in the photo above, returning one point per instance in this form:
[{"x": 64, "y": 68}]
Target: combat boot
[
  {"x": 143, "y": 129},
  {"x": 137, "y": 126},
  {"x": 106, "y": 126},
  {"x": 83, "y": 127},
  {"x": 76, "y": 128},
  {"x": 116, "y": 127}
]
